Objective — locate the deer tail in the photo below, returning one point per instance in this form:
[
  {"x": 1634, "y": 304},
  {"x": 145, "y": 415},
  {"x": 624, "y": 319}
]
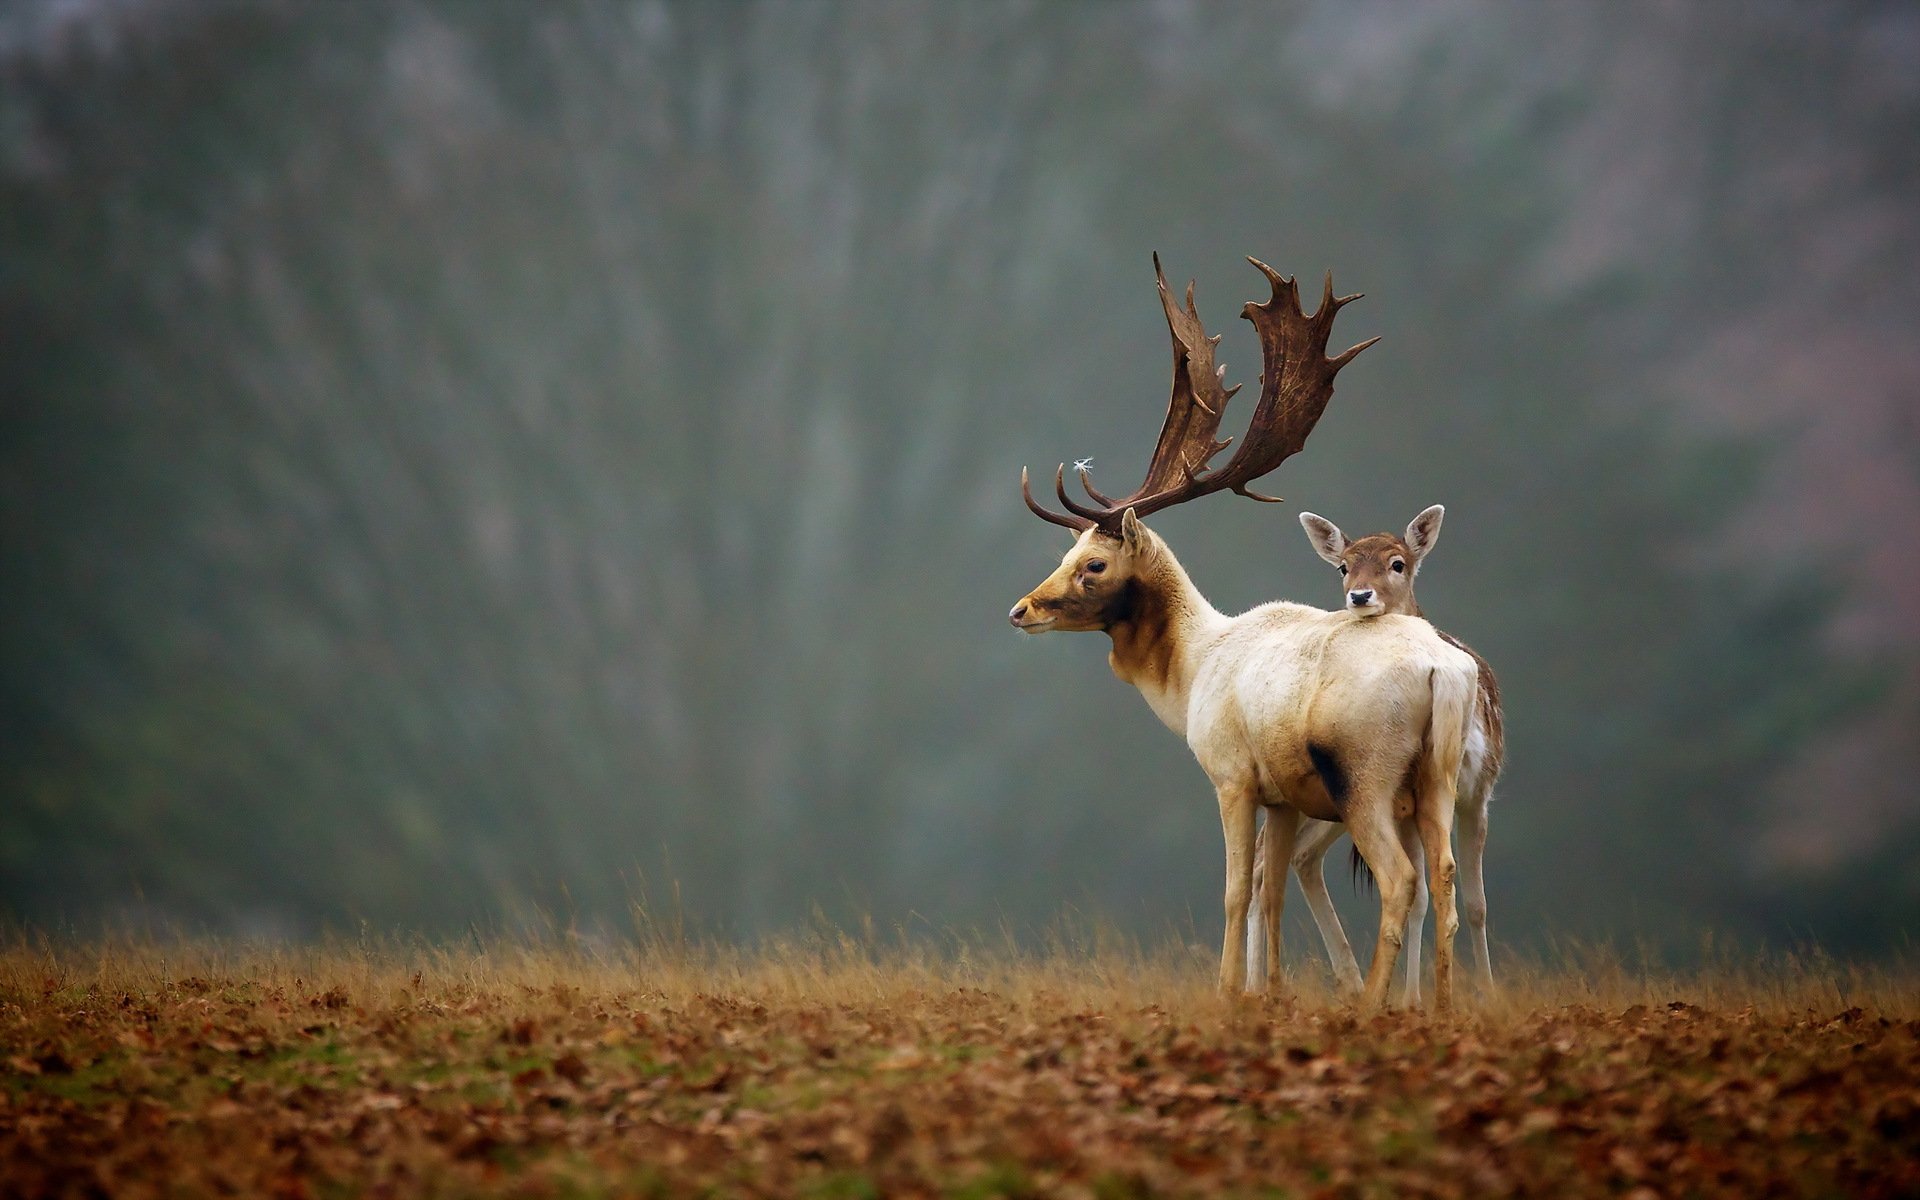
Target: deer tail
[{"x": 1450, "y": 719}]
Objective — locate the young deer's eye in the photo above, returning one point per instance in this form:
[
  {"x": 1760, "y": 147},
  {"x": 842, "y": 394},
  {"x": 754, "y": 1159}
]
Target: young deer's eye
[
  {"x": 1095, "y": 567},
  {"x": 1399, "y": 566},
  {"x": 1343, "y": 568}
]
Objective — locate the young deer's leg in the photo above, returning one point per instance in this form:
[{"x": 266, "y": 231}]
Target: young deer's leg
[
  {"x": 1310, "y": 864},
  {"x": 1435, "y": 817},
  {"x": 1416, "y": 916},
  {"x": 1371, "y": 824},
  {"x": 1473, "y": 881},
  {"x": 1237, "y": 805},
  {"x": 1277, "y": 847}
]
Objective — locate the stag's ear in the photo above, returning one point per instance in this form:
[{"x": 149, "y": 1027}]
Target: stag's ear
[
  {"x": 1328, "y": 542},
  {"x": 1424, "y": 531},
  {"x": 1133, "y": 535}
]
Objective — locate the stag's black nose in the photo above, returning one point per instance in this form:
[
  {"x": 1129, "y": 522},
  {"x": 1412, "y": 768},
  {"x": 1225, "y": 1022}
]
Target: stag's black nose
[
  {"x": 1019, "y": 610},
  {"x": 1360, "y": 598}
]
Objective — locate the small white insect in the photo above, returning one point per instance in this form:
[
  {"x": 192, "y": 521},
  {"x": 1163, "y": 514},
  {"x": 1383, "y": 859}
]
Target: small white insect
[{"x": 1082, "y": 464}]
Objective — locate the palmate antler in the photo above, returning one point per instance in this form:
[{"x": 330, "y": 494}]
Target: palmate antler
[{"x": 1296, "y": 381}]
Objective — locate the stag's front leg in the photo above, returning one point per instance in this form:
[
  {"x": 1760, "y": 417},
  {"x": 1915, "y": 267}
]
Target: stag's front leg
[
  {"x": 1256, "y": 921},
  {"x": 1276, "y": 847},
  {"x": 1237, "y": 810}
]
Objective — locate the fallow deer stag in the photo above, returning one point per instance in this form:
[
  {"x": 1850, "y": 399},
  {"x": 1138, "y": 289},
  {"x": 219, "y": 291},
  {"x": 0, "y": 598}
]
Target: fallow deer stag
[
  {"x": 1377, "y": 575},
  {"x": 1300, "y": 711}
]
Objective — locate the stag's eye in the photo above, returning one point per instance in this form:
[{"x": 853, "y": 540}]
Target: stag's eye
[
  {"x": 1399, "y": 567},
  {"x": 1095, "y": 567},
  {"x": 1343, "y": 568}
]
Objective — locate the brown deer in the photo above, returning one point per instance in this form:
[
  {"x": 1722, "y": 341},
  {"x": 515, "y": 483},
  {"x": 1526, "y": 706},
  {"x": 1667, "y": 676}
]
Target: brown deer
[
  {"x": 1377, "y": 576},
  {"x": 1303, "y": 712}
]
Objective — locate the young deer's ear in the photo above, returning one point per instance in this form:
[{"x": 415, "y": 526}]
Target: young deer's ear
[
  {"x": 1133, "y": 535},
  {"x": 1424, "y": 531},
  {"x": 1328, "y": 542}
]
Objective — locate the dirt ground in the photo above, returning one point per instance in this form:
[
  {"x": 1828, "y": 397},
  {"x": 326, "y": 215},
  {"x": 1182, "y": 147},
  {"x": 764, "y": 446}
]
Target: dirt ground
[{"x": 832, "y": 1071}]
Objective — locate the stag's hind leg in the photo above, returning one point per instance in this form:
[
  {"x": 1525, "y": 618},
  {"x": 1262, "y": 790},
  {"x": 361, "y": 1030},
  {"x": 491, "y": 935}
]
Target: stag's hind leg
[
  {"x": 1435, "y": 818},
  {"x": 1376, "y": 835}
]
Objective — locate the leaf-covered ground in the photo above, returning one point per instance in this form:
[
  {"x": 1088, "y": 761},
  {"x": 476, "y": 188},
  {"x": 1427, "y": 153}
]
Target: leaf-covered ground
[{"x": 543, "y": 1074}]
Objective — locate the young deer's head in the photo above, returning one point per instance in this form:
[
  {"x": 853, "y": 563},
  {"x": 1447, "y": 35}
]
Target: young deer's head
[
  {"x": 1100, "y": 576},
  {"x": 1377, "y": 570}
]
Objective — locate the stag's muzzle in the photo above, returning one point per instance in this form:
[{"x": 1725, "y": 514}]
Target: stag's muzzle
[{"x": 1024, "y": 618}]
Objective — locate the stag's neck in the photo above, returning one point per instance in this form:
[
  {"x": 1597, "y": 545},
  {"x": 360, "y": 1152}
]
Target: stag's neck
[{"x": 1157, "y": 641}]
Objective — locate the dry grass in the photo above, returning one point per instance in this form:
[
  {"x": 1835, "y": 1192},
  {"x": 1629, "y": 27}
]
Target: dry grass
[
  {"x": 832, "y": 1066},
  {"x": 1080, "y": 966}
]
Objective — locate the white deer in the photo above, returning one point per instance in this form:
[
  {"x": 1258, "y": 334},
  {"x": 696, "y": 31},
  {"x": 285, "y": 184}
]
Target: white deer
[
  {"x": 1377, "y": 574},
  {"x": 1303, "y": 712}
]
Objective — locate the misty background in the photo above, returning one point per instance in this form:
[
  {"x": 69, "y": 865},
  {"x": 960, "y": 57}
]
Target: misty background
[{"x": 472, "y": 463}]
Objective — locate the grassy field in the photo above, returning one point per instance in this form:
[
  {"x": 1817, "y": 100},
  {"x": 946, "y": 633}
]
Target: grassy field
[{"x": 831, "y": 1069}]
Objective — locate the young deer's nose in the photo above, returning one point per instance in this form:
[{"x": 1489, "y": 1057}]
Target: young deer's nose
[
  {"x": 1360, "y": 598},
  {"x": 1019, "y": 610}
]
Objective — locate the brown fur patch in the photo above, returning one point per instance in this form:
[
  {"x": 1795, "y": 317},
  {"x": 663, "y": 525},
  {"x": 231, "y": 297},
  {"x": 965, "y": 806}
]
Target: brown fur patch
[
  {"x": 1142, "y": 641},
  {"x": 1488, "y": 702},
  {"x": 1332, "y": 776}
]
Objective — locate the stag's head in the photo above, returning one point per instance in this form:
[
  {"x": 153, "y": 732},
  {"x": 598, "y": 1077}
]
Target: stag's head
[
  {"x": 1376, "y": 571},
  {"x": 1093, "y": 586}
]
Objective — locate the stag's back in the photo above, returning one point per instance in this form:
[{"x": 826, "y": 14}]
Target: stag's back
[{"x": 1286, "y": 682}]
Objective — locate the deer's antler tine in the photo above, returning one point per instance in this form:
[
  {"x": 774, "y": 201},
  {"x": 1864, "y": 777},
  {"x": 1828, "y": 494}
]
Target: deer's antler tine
[
  {"x": 1243, "y": 490},
  {"x": 1026, "y": 493},
  {"x": 1226, "y": 393},
  {"x": 1348, "y": 356},
  {"x": 1060, "y": 490},
  {"x": 1086, "y": 481},
  {"x": 1197, "y": 465},
  {"x": 1273, "y": 277},
  {"x": 1331, "y": 304},
  {"x": 1284, "y": 289}
]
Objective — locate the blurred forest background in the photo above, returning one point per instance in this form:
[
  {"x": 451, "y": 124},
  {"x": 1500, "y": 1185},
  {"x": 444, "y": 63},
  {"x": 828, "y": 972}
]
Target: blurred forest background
[{"x": 468, "y": 461}]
